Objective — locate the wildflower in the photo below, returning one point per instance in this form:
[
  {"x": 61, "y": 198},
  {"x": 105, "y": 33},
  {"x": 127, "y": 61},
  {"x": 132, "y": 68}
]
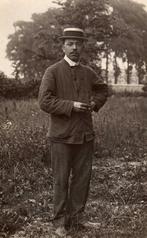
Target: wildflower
[{"x": 7, "y": 125}]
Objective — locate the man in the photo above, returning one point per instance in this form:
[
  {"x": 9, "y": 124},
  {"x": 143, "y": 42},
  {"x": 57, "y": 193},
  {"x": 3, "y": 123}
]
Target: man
[{"x": 69, "y": 92}]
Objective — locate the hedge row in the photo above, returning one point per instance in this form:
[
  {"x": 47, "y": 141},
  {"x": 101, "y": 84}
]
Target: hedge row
[
  {"x": 16, "y": 89},
  {"x": 10, "y": 88}
]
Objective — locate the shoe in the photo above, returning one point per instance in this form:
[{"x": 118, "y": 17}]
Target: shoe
[{"x": 61, "y": 231}]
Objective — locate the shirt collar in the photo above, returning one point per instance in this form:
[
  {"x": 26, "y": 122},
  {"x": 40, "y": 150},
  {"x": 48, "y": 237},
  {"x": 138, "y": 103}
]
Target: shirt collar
[{"x": 70, "y": 62}]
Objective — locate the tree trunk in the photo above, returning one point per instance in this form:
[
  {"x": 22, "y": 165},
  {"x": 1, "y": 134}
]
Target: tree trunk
[
  {"x": 128, "y": 72},
  {"x": 115, "y": 67},
  {"x": 141, "y": 73},
  {"x": 146, "y": 66},
  {"x": 107, "y": 64}
]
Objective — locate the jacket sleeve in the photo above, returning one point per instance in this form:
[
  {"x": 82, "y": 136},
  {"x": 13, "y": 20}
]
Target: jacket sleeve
[
  {"x": 100, "y": 91},
  {"x": 48, "y": 100}
]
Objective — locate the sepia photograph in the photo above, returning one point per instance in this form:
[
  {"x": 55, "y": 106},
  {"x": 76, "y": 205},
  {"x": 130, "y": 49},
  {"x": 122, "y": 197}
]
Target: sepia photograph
[{"x": 73, "y": 118}]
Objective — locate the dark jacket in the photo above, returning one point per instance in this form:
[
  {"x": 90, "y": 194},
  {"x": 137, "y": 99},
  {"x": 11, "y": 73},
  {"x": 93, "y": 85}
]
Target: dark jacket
[{"x": 59, "y": 89}]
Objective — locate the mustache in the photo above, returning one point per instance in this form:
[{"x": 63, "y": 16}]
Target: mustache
[{"x": 74, "y": 52}]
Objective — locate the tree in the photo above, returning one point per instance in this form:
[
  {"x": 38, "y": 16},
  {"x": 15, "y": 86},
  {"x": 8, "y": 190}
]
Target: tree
[
  {"x": 129, "y": 20},
  {"x": 34, "y": 45},
  {"x": 115, "y": 26},
  {"x": 116, "y": 68},
  {"x": 92, "y": 16}
]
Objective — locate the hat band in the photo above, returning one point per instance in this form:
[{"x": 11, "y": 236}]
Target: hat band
[{"x": 73, "y": 34}]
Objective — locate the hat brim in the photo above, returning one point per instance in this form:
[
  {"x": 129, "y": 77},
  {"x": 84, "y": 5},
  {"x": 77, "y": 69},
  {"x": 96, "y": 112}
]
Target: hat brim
[{"x": 73, "y": 37}]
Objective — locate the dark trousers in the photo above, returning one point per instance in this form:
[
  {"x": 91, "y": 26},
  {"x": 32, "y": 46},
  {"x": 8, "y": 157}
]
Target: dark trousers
[{"x": 72, "y": 166}]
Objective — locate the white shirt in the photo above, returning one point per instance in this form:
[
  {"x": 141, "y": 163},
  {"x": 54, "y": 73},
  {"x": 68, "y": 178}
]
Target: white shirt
[{"x": 70, "y": 62}]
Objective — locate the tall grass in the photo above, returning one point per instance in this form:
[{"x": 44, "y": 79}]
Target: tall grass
[
  {"x": 25, "y": 179},
  {"x": 121, "y": 125}
]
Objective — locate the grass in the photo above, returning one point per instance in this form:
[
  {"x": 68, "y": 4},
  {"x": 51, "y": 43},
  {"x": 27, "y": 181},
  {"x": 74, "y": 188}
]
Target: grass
[
  {"x": 117, "y": 199},
  {"x": 121, "y": 125}
]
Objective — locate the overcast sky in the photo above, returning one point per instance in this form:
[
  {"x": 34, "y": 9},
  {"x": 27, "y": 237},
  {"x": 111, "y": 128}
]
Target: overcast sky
[{"x": 14, "y": 10}]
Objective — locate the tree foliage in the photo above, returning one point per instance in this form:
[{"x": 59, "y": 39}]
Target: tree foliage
[
  {"x": 129, "y": 20},
  {"x": 33, "y": 46},
  {"x": 114, "y": 26},
  {"x": 93, "y": 16}
]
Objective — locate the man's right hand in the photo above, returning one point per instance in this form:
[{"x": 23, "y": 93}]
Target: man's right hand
[{"x": 81, "y": 107}]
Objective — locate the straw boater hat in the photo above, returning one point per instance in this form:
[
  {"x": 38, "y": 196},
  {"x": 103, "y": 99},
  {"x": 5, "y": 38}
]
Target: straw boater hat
[{"x": 73, "y": 33}]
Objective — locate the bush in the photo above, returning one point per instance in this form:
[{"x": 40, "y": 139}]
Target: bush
[
  {"x": 11, "y": 88},
  {"x": 145, "y": 88},
  {"x": 127, "y": 93}
]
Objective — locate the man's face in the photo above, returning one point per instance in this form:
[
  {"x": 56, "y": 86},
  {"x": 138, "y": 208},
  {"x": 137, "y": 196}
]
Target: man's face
[{"x": 73, "y": 48}]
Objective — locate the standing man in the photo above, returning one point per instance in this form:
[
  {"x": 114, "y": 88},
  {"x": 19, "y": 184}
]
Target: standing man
[{"x": 69, "y": 92}]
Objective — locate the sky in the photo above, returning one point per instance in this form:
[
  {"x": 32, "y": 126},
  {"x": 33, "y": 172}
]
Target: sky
[{"x": 14, "y": 10}]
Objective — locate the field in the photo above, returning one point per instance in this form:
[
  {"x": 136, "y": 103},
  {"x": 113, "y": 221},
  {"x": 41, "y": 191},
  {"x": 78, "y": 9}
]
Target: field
[{"x": 117, "y": 204}]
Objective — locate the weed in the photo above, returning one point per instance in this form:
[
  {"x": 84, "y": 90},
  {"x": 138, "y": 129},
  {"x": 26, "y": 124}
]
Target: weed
[{"x": 118, "y": 191}]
